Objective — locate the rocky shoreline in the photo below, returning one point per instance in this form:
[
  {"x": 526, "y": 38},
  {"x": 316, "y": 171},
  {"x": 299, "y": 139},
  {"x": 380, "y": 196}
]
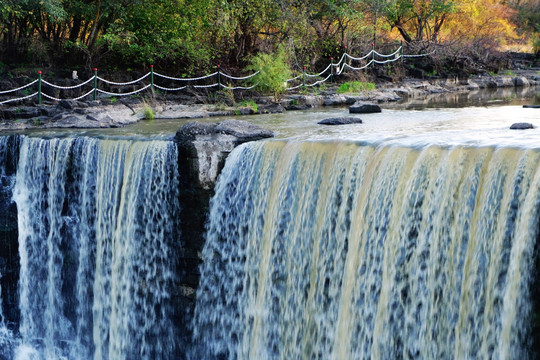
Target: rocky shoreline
[{"x": 108, "y": 112}]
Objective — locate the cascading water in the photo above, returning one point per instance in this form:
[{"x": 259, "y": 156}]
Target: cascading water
[
  {"x": 342, "y": 251},
  {"x": 96, "y": 220}
]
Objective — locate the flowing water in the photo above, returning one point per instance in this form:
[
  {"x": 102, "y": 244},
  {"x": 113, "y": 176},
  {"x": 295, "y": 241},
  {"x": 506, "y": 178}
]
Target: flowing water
[
  {"x": 96, "y": 221},
  {"x": 340, "y": 251},
  {"x": 410, "y": 236}
]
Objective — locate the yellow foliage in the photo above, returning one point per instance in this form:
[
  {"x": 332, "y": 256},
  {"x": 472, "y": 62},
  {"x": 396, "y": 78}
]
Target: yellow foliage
[{"x": 485, "y": 19}]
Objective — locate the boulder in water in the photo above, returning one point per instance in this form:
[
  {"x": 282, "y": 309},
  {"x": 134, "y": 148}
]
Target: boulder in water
[
  {"x": 243, "y": 130},
  {"x": 531, "y": 106},
  {"x": 364, "y": 108},
  {"x": 340, "y": 121},
  {"x": 521, "y": 126}
]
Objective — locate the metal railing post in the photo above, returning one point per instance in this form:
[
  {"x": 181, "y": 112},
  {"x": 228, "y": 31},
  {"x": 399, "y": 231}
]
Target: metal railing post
[
  {"x": 152, "y": 77},
  {"x": 373, "y": 54},
  {"x": 95, "y": 84},
  {"x": 39, "y": 87},
  {"x": 218, "y": 77},
  {"x": 332, "y": 69}
]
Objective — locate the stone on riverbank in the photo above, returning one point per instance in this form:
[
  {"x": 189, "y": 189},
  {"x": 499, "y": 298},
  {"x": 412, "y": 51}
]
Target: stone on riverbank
[
  {"x": 364, "y": 108},
  {"x": 340, "y": 121}
]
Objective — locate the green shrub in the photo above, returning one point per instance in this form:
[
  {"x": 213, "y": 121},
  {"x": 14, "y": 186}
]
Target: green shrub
[
  {"x": 249, "y": 104},
  {"x": 148, "y": 112},
  {"x": 355, "y": 86},
  {"x": 274, "y": 71}
]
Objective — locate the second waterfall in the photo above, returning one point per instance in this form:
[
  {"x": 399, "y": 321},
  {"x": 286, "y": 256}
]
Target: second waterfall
[{"x": 341, "y": 251}]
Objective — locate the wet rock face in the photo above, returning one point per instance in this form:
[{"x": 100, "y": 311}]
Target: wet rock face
[
  {"x": 202, "y": 150},
  {"x": 9, "y": 257},
  {"x": 206, "y": 145}
]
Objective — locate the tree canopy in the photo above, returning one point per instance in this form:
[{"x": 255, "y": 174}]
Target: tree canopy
[{"x": 190, "y": 36}]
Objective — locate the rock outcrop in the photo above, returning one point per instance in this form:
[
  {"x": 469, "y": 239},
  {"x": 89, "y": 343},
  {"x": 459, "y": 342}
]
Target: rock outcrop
[{"x": 202, "y": 150}]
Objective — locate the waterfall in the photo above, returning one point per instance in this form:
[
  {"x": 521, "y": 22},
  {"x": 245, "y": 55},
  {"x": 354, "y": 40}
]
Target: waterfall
[
  {"x": 342, "y": 251},
  {"x": 97, "y": 222}
]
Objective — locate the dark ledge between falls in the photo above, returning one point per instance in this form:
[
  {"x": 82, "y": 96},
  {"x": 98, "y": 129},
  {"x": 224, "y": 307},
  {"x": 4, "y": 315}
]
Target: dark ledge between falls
[{"x": 203, "y": 148}]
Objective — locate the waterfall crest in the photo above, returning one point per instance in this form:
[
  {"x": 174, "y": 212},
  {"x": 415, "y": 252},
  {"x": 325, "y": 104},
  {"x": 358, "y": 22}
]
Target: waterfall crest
[
  {"x": 341, "y": 251},
  {"x": 97, "y": 220}
]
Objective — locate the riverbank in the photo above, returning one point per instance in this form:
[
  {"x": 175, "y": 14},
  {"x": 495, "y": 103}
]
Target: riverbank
[{"x": 113, "y": 112}]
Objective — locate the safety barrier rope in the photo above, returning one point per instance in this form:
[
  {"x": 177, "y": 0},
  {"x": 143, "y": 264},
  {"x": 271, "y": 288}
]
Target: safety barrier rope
[
  {"x": 19, "y": 99},
  {"x": 388, "y": 55},
  {"x": 205, "y": 86},
  {"x": 360, "y": 58},
  {"x": 19, "y": 88},
  {"x": 66, "y": 87},
  {"x": 124, "y": 83},
  {"x": 321, "y": 73},
  {"x": 185, "y": 79},
  {"x": 239, "y": 87},
  {"x": 124, "y": 94},
  {"x": 170, "y": 89},
  {"x": 334, "y": 68},
  {"x": 77, "y": 98},
  {"x": 239, "y": 78},
  {"x": 419, "y": 55}
]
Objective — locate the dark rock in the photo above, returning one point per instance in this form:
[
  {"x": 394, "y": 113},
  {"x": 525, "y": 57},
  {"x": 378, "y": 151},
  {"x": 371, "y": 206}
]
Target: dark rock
[
  {"x": 298, "y": 107},
  {"x": 21, "y": 112},
  {"x": 521, "y": 81},
  {"x": 271, "y": 109},
  {"x": 67, "y": 104},
  {"x": 47, "y": 110},
  {"x": 192, "y": 129},
  {"x": 57, "y": 117},
  {"x": 340, "y": 121},
  {"x": 244, "y": 111},
  {"x": 206, "y": 145},
  {"x": 521, "y": 126},
  {"x": 364, "y": 108},
  {"x": 243, "y": 130},
  {"x": 531, "y": 106}
]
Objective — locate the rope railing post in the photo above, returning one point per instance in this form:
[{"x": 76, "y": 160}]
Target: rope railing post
[
  {"x": 152, "y": 78},
  {"x": 95, "y": 84},
  {"x": 401, "y": 51},
  {"x": 332, "y": 69},
  {"x": 373, "y": 54},
  {"x": 304, "y": 76},
  {"x": 39, "y": 87},
  {"x": 218, "y": 77}
]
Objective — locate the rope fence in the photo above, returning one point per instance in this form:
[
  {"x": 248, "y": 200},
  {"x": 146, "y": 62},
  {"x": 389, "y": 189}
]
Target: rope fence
[{"x": 218, "y": 79}]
